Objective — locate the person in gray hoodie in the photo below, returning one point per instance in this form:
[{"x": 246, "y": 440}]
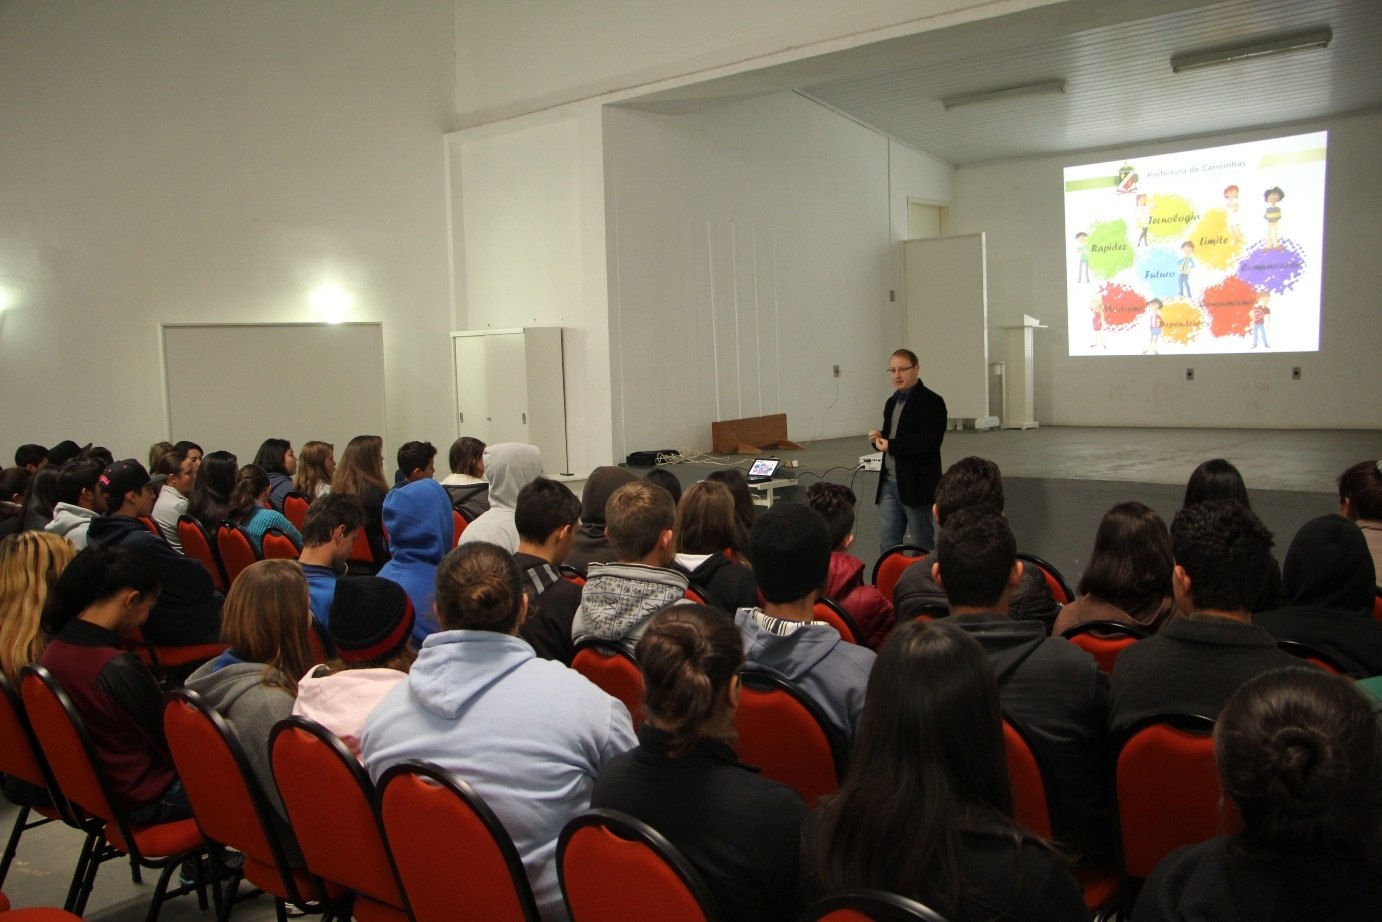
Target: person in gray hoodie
[
  {"x": 528, "y": 734},
  {"x": 509, "y": 467},
  {"x": 79, "y": 500}
]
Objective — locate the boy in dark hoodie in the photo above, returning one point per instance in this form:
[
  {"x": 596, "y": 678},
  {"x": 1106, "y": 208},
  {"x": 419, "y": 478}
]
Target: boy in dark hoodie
[
  {"x": 591, "y": 544},
  {"x": 871, "y": 611}
]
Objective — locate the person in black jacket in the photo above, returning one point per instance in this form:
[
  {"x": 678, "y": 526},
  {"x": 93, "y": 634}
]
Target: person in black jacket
[
  {"x": 546, "y": 515},
  {"x": 913, "y": 441}
]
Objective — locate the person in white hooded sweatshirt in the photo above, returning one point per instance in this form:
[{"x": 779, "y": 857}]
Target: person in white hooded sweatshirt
[{"x": 509, "y": 467}]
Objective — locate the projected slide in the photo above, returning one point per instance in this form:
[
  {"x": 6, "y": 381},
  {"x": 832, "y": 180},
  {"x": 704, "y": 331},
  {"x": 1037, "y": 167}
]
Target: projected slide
[{"x": 1209, "y": 251}]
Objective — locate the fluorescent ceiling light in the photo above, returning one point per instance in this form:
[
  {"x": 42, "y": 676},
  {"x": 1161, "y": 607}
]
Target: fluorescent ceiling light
[
  {"x": 1245, "y": 51},
  {"x": 1044, "y": 88}
]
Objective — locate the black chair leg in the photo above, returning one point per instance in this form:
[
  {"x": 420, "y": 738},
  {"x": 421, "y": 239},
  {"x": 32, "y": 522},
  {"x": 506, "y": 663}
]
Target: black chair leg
[
  {"x": 84, "y": 858},
  {"x": 103, "y": 851},
  {"x": 20, "y": 824},
  {"x": 136, "y": 874}
]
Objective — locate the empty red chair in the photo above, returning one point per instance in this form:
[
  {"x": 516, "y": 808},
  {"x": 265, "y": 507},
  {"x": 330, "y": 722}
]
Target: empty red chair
[
  {"x": 612, "y": 668},
  {"x": 783, "y": 733},
  {"x": 1104, "y": 640},
  {"x": 196, "y": 543},
  {"x": 279, "y": 545},
  {"x": 887, "y": 570},
  {"x": 295, "y": 508},
  {"x": 236, "y": 550}
]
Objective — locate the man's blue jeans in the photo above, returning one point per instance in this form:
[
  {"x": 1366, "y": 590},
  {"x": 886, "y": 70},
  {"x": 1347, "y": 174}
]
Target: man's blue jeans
[{"x": 895, "y": 520}]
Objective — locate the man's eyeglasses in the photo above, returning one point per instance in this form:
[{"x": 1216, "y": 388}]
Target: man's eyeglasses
[{"x": 898, "y": 371}]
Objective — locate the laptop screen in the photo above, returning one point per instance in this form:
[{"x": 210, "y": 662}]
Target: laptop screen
[{"x": 763, "y": 469}]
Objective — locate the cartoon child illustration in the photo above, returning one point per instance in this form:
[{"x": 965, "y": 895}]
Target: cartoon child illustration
[
  {"x": 1261, "y": 312},
  {"x": 1096, "y": 309},
  {"x": 1143, "y": 216},
  {"x": 1187, "y": 262},
  {"x": 1153, "y": 311},
  {"x": 1235, "y": 224},
  {"x": 1273, "y": 197},
  {"x": 1082, "y": 248}
]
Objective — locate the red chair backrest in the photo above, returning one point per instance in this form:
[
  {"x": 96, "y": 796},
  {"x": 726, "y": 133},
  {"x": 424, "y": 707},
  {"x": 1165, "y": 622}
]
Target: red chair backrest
[
  {"x": 571, "y": 575},
  {"x": 360, "y": 552},
  {"x": 1060, "y": 590},
  {"x": 614, "y": 670},
  {"x": 19, "y": 752},
  {"x": 295, "y": 508},
  {"x": 279, "y": 545},
  {"x": 783, "y": 733},
  {"x": 64, "y": 743},
  {"x": 611, "y": 866},
  {"x": 869, "y": 906},
  {"x": 1167, "y": 789},
  {"x": 888, "y": 570},
  {"x": 1028, "y": 785},
  {"x": 430, "y": 817},
  {"x": 330, "y": 804},
  {"x": 829, "y": 611},
  {"x": 196, "y": 543},
  {"x": 151, "y": 525},
  {"x": 1310, "y": 655},
  {"x": 1377, "y": 606},
  {"x": 235, "y": 548},
  {"x": 458, "y": 524},
  {"x": 695, "y": 595},
  {"x": 1104, "y": 640}
]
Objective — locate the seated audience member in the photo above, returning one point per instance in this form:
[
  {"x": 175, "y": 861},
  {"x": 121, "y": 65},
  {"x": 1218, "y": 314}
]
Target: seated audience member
[
  {"x": 276, "y": 457},
  {"x": 925, "y": 810},
  {"x": 211, "y": 490},
  {"x": 466, "y": 483},
  {"x": 970, "y": 483},
  {"x": 40, "y": 499},
  {"x": 618, "y": 599},
  {"x": 188, "y": 610},
  {"x": 328, "y": 534},
  {"x": 156, "y": 452},
  {"x": 1299, "y": 752},
  {"x": 592, "y": 545},
  {"x": 1200, "y": 657},
  {"x": 253, "y": 684},
  {"x": 546, "y": 517},
  {"x": 30, "y": 564},
  {"x": 13, "y": 482},
  {"x": 179, "y": 477},
  {"x": 361, "y": 474},
  {"x": 667, "y": 480},
  {"x": 104, "y": 594},
  {"x": 1218, "y": 479},
  {"x": 1128, "y": 577},
  {"x": 740, "y": 831},
  {"x": 192, "y": 450},
  {"x": 790, "y": 547},
  {"x": 1048, "y": 686},
  {"x": 31, "y": 457},
  {"x": 1360, "y": 499},
  {"x": 249, "y": 508},
  {"x": 1330, "y": 586},
  {"x": 417, "y": 516},
  {"x": 871, "y": 611},
  {"x": 79, "y": 501},
  {"x": 417, "y": 461},
  {"x": 745, "y": 512},
  {"x": 370, "y": 627},
  {"x": 528, "y": 734},
  {"x": 712, "y": 548},
  {"x": 316, "y": 465},
  {"x": 62, "y": 452},
  {"x": 509, "y": 467}
]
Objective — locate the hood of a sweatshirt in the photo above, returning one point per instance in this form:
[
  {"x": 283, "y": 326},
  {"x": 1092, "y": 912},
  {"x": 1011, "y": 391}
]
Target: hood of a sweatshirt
[
  {"x": 67, "y": 517},
  {"x": 453, "y": 668},
  {"x": 845, "y": 574},
  {"x": 112, "y": 529},
  {"x": 509, "y": 467},
  {"x": 417, "y": 517},
  {"x": 222, "y": 687},
  {"x": 787, "y": 655},
  {"x": 598, "y": 486},
  {"x": 618, "y": 598},
  {"x": 1006, "y": 642},
  {"x": 1328, "y": 568}
]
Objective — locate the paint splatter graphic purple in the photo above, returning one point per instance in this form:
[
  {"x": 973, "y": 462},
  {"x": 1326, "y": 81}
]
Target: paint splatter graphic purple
[{"x": 1273, "y": 269}]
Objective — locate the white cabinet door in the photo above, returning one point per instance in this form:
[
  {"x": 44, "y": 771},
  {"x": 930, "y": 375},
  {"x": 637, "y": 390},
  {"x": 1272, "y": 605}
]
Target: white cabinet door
[{"x": 492, "y": 387}]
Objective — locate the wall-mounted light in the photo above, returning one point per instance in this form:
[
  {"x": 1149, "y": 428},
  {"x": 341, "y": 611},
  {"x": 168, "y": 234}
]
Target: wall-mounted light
[
  {"x": 1255, "y": 48},
  {"x": 1043, "y": 88},
  {"x": 332, "y": 302}
]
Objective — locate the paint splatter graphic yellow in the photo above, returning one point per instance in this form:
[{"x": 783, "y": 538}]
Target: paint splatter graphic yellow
[{"x": 1181, "y": 321}]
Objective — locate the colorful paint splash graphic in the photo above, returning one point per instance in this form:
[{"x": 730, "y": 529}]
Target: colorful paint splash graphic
[
  {"x": 1228, "y": 305},
  {"x": 1181, "y": 321},
  {"x": 1109, "y": 250},
  {"x": 1122, "y": 307},
  {"x": 1171, "y": 216},
  {"x": 1158, "y": 269},
  {"x": 1273, "y": 269},
  {"x": 1216, "y": 246}
]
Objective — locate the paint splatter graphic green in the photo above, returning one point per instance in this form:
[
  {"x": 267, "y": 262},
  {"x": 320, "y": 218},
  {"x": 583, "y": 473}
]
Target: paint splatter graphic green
[{"x": 1110, "y": 251}]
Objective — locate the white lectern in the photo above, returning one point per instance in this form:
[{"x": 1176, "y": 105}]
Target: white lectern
[{"x": 1019, "y": 380}]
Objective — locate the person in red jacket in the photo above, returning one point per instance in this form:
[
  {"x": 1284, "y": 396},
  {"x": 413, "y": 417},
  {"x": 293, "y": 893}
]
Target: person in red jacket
[{"x": 871, "y": 611}]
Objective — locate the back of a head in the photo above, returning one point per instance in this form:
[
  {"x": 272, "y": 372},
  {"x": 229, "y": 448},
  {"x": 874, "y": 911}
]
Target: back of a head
[
  {"x": 689, "y": 654},
  {"x": 42, "y": 494},
  {"x": 835, "y": 502},
  {"x": 667, "y": 480},
  {"x": 1328, "y": 568},
  {"x": 1215, "y": 479},
  {"x": 415, "y": 456},
  {"x": 156, "y": 452},
  {"x": 1300, "y": 752},
  {"x": 790, "y": 549},
  {"x": 636, "y": 516},
  {"x": 1361, "y": 487},
  {"x": 1225, "y": 550},
  {"x": 1132, "y": 555},
  {"x": 14, "y": 481},
  {"x": 170, "y": 463},
  {"x": 361, "y": 464},
  {"x": 271, "y": 455},
  {"x": 75, "y": 476},
  {"x": 465, "y": 456},
  {"x": 603, "y": 481},
  {"x": 969, "y": 483},
  {"x": 63, "y": 452},
  {"x": 509, "y": 467},
  {"x": 250, "y": 483},
  {"x": 328, "y": 513},
  {"x": 216, "y": 476},
  {"x": 479, "y": 588},
  {"x": 100, "y": 454},
  {"x": 266, "y": 618},
  {"x": 30, "y": 564},
  {"x": 31, "y": 453},
  {"x": 705, "y": 521},
  {"x": 96, "y": 573},
  {"x": 976, "y": 553},
  {"x": 312, "y": 472},
  {"x": 418, "y": 518},
  {"x": 544, "y": 506},
  {"x": 371, "y": 623},
  {"x": 738, "y": 484}
]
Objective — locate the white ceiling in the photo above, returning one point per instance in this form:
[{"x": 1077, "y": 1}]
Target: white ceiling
[{"x": 1115, "y": 60}]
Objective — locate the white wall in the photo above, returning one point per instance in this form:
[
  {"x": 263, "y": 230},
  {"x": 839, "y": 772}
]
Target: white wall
[
  {"x": 203, "y": 162},
  {"x": 1020, "y": 206},
  {"x": 751, "y": 248}
]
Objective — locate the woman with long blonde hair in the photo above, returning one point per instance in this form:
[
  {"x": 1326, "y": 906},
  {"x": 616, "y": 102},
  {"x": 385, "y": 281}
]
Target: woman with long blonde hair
[
  {"x": 30, "y": 563},
  {"x": 316, "y": 466},
  {"x": 360, "y": 472}
]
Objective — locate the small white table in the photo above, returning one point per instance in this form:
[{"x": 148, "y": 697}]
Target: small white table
[{"x": 763, "y": 492}]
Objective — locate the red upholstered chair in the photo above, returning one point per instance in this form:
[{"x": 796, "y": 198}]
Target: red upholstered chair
[
  {"x": 890, "y": 564},
  {"x": 785, "y": 734},
  {"x": 21, "y": 758},
  {"x": 196, "y": 543},
  {"x": 295, "y": 508},
  {"x": 430, "y": 817},
  {"x": 695, "y": 594},
  {"x": 869, "y": 906},
  {"x": 612, "y": 668},
  {"x": 612, "y": 866},
  {"x": 230, "y": 807},
  {"x": 360, "y": 552},
  {"x": 1311, "y": 655},
  {"x": 458, "y": 524},
  {"x": 279, "y": 545},
  {"x": 151, "y": 525},
  {"x": 330, "y": 804},
  {"x": 571, "y": 575},
  {"x": 833, "y": 614},
  {"x": 1060, "y": 589},
  {"x": 1104, "y": 640},
  {"x": 35, "y": 914},
  {"x": 161, "y": 659},
  {"x": 236, "y": 550},
  {"x": 163, "y": 846}
]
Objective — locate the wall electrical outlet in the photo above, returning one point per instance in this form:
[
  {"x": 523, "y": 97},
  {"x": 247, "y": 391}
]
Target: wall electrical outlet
[
  {"x": 837, "y": 371},
  {"x": 1190, "y": 374},
  {"x": 1295, "y": 373}
]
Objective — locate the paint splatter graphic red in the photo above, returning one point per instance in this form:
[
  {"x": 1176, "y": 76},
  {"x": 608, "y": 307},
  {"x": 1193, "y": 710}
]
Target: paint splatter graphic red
[
  {"x": 1122, "y": 306},
  {"x": 1229, "y": 304}
]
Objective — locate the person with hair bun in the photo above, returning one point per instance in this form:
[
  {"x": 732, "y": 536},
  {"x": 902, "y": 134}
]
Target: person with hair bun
[
  {"x": 1300, "y": 754},
  {"x": 529, "y": 734},
  {"x": 249, "y": 508},
  {"x": 739, "y": 830},
  {"x": 1360, "y": 500}
]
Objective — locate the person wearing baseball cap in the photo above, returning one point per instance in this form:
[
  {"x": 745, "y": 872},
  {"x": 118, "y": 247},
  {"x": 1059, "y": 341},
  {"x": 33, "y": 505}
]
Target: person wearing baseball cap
[{"x": 188, "y": 610}]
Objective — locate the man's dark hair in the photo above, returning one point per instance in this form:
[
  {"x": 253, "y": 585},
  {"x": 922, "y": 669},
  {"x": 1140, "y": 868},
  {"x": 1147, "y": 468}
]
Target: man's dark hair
[
  {"x": 636, "y": 516},
  {"x": 28, "y": 454},
  {"x": 835, "y": 502},
  {"x": 101, "y": 455},
  {"x": 970, "y": 483},
  {"x": 543, "y": 506},
  {"x": 976, "y": 553},
  {"x": 1225, "y": 550},
  {"x": 170, "y": 463},
  {"x": 909, "y": 355},
  {"x": 271, "y": 455},
  {"x": 75, "y": 476},
  {"x": 667, "y": 480},
  {"x": 186, "y": 446},
  {"x": 329, "y": 512},
  {"x": 415, "y": 456}
]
